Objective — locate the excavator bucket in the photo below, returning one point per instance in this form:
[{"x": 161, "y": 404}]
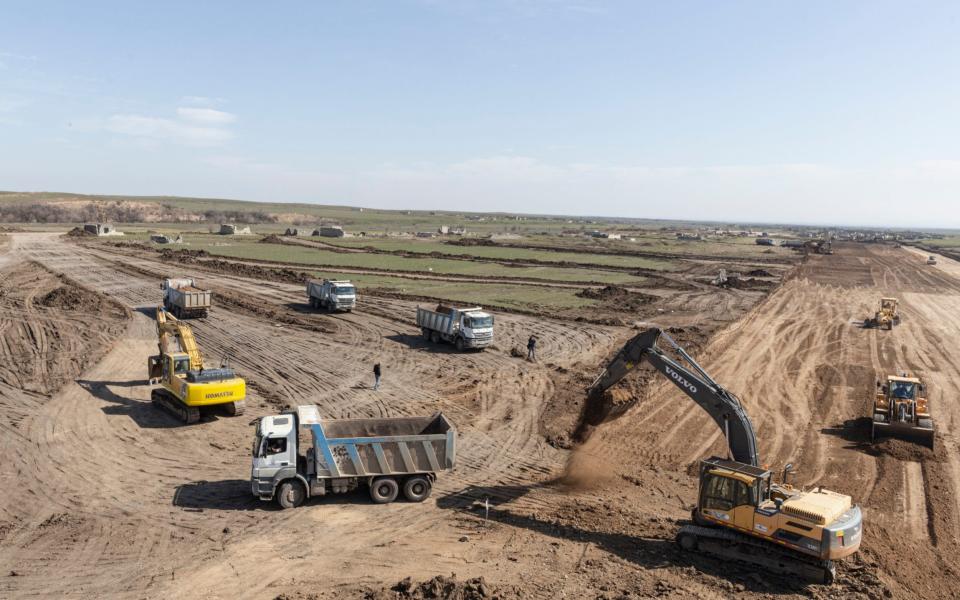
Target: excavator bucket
[{"x": 918, "y": 434}]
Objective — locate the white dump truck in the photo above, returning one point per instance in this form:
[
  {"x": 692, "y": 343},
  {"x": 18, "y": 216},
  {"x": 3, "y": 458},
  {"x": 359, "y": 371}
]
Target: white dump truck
[
  {"x": 184, "y": 299},
  {"x": 332, "y": 294},
  {"x": 463, "y": 327},
  {"x": 389, "y": 456}
]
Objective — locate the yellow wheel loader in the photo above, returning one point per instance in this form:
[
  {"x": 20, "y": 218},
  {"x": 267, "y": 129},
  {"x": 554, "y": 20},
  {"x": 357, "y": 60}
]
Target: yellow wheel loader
[
  {"x": 741, "y": 513},
  {"x": 186, "y": 385},
  {"x": 887, "y": 316},
  {"x": 900, "y": 409}
]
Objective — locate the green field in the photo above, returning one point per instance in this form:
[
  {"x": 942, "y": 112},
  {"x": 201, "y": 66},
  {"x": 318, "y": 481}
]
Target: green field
[{"x": 249, "y": 248}]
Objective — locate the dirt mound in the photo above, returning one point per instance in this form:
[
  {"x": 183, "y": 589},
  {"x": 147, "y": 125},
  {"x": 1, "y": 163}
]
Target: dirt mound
[
  {"x": 903, "y": 450},
  {"x": 257, "y": 272},
  {"x": 272, "y": 239},
  {"x": 622, "y": 298},
  {"x": 472, "y": 242},
  {"x": 759, "y": 273},
  {"x": 184, "y": 256},
  {"x": 72, "y": 297},
  {"x": 80, "y": 232},
  {"x": 440, "y": 588}
]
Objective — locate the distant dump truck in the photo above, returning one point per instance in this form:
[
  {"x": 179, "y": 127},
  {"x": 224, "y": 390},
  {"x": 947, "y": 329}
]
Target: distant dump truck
[
  {"x": 182, "y": 298},
  {"x": 332, "y": 294},
  {"x": 388, "y": 455},
  {"x": 931, "y": 260},
  {"x": 463, "y": 327}
]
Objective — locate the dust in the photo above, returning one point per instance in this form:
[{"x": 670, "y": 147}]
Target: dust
[{"x": 586, "y": 470}]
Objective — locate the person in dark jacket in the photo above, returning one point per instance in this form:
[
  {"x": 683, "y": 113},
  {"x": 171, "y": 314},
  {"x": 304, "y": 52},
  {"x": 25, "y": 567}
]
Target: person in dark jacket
[
  {"x": 376, "y": 376},
  {"x": 532, "y": 348}
]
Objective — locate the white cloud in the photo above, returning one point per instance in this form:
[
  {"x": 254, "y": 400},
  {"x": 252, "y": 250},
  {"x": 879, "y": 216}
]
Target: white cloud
[
  {"x": 206, "y": 115},
  {"x": 155, "y": 128}
]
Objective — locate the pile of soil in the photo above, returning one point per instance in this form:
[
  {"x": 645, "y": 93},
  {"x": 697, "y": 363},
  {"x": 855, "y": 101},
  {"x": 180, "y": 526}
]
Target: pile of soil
[
  {"x": 80, "y": 232},
  {"x": 72, "y": 297},
  {"x": 440, "y": 588},
  {"x": 903, "y": 450},
  {"x": 272, "y": 239},
  {"x": 759, "y": 273},
  {"x": 617, "y": 296},
  {"x": 184, "y": 256},
  {"x": 472, "y": 242},
  {"x": 257, "y": 272}
]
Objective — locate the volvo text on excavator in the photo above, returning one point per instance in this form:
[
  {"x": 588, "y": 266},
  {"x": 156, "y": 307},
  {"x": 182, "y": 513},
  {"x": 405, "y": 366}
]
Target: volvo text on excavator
[
  {"x": 186, "y": 385},
  {"x": 741, "y": 513}
]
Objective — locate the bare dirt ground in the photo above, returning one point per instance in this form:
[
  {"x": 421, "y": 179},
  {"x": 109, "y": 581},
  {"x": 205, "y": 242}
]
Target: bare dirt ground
[{"x": 106, "y": 497}]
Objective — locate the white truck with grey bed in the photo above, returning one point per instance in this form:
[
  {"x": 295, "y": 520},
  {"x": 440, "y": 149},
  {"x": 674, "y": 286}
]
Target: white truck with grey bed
[
  {"x": 462, "y": 327},
  {"x": 329, "y": 294},
  {"x": 388, "y": 455}
]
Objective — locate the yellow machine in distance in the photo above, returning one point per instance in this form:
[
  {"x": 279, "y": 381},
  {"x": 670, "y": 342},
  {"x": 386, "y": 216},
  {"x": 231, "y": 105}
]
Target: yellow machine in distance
[
  {"x": 887, "y": 316},
  {"x": 186, "y": 385},
  {"x": 901, "y": 410}
]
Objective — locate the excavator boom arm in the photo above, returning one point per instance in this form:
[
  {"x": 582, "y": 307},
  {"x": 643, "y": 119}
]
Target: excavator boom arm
[
  {"x": 722, "y": 406},
  {"x": 168, "y": 329}
]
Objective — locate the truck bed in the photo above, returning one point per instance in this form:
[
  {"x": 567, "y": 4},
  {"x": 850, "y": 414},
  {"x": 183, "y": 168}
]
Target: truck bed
[{"x": 382, "y": 446}]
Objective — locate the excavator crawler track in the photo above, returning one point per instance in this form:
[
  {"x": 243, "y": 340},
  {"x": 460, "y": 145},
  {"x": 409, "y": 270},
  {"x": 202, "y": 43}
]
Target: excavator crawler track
[
  {"x": 727, "y": 544},
  {"x": 170, "y": 403}
]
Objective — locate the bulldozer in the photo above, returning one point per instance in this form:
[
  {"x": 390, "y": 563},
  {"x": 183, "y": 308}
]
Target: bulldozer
[
  {"x": 741, "y": 512},
  {"x": 186, "y": 385},
  {"x": 887, "y": 316},
  {"x": 900, "y": 409}
]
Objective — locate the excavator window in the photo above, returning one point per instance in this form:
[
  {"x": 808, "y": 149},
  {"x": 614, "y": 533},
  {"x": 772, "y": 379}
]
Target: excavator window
[
  {"x": 181, "y": 365},
  {"x": 725, "y": 493}
]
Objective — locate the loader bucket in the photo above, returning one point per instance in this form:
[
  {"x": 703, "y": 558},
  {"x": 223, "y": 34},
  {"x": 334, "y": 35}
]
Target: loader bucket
[{"x": 904, "y": 431}]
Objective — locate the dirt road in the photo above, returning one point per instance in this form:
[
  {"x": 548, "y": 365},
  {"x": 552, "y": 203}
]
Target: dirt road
[{"x": 108, "y": 498}]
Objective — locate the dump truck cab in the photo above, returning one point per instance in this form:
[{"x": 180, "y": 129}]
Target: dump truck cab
[
  {"x": 901, "y": 410},
  {"x": 819, "y": 523}
]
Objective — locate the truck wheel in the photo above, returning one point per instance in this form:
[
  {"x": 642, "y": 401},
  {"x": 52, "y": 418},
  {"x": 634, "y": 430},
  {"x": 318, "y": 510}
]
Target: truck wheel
[
  {"x": 426, "y": 333},
  {"x": 291, "y": 494},
  {"x": 435, "y": 337},
  {"x": 416, "y": 489},
  {"x": 459, "y": 344},
  {"x": 384, "y": 490}
]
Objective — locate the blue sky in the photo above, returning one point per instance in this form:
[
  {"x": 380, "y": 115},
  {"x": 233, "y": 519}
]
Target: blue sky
[{"x": 822, "y": 112}]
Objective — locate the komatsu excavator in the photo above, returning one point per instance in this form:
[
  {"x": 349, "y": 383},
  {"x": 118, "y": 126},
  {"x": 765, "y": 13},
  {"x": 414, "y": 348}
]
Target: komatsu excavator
[
  {"x": 741, "y": 513},
  {"x": 186, "y": 385}
]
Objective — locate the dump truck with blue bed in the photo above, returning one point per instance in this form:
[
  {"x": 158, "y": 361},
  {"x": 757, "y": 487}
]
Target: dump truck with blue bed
[{"x": 387, "y": 455}]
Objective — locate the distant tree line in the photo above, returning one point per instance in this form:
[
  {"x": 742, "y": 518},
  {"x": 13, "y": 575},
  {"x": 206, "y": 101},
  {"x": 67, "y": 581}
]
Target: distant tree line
[{"x": 122, "y": 212}]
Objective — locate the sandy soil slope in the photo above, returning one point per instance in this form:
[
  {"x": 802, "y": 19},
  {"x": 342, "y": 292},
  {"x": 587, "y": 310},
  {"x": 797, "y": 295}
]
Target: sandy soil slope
[{"x": 108, "y": 498}]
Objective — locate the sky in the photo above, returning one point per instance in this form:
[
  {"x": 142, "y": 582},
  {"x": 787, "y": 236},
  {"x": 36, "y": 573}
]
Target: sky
[{"x": 806, "y": 111}]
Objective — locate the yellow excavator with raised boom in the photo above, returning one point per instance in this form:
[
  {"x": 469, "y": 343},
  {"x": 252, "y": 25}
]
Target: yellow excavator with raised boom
[
  {"x": 186, "y": 385},
  {"x": 741, "y": 513}
]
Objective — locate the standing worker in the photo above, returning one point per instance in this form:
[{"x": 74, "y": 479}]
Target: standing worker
[
  {"x": 532, "y": 349},
  {"x": 376, "y": 376}
]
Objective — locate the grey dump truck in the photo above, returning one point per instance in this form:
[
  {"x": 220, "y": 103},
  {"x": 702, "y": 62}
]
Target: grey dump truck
[
  {"x": 184, "y": 299},
  {"x": 389, "y": 456},
  {"x": 463, "y": 327},
  {"x": 332, "y": 294}
]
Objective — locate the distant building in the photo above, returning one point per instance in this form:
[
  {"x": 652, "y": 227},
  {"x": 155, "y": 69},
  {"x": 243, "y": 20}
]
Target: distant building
[
  {"x": 426, "y": 234},
  {"x": 291, "y": 232},
  {"x": 689, "y": 236},
  {"x": 330, "y": 231},
  {"x": 166, "y": 239},
  {"x": 233, "y": 229},
  {"x": 101, "y": 229},
  {"x": 444, "y": 230},
  {"x": 605, "y": 235}
]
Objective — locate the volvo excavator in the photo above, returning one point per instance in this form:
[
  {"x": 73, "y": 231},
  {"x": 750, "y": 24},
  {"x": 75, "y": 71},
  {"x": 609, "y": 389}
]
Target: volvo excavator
[
  {"x": 741, "y": 513},
  {"x": 185, "y": 384}
]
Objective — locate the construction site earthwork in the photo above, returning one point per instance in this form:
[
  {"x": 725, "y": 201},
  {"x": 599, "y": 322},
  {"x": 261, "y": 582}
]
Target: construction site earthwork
[{"x": 550, "y": 418}]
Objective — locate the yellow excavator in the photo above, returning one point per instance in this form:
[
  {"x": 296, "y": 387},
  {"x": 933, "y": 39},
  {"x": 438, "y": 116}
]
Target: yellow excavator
[
  {"x": 186, "y": 385},
  {"x": 741, "y": 513},
  {"x": 900, "y": 409}
]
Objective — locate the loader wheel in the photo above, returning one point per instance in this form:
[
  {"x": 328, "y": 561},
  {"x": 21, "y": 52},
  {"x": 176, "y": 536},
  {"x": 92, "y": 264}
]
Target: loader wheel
[
  {"x": 687, "y": 541},
  {"x": 383, "y": 490},
  {"x": 291, "y": 494},
  {"x": 416, "y": 489}
]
